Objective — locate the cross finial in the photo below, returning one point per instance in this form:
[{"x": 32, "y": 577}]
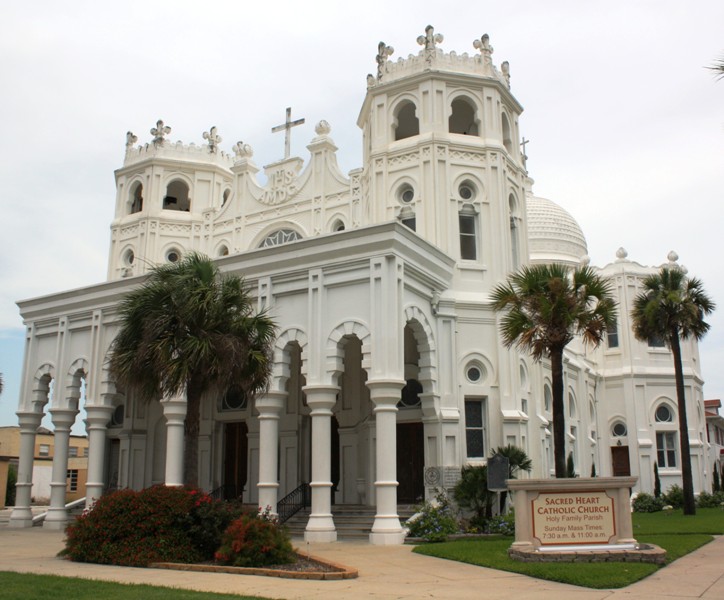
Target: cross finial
[
  {"x": 159, "y": 133},
  {"x": 286, "y": 127},
  {"x": 483, "y": 44},
  {"x": 429, "y": 40},
  {"x": 523, "y": 144},
  {"x": 130, "y": 139},
  {"x": 383, "y": 52},
  {"x": 213, "y": 138}
]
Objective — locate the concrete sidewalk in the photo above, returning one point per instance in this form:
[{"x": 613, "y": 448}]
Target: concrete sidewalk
[{"x": 384, "y": 573}]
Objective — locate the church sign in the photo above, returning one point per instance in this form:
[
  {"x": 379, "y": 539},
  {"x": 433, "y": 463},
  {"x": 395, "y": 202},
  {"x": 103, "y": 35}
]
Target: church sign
[{"x": 585, "y": 517}]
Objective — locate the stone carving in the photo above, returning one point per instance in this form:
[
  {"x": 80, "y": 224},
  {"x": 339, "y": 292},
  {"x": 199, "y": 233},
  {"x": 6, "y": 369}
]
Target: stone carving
[
  {"x": 383, "y": 53},
  {"x": 322, "y": 128},
  {"x": 505, "y": 68},
  {"x": 159, "y": 133},
  {"x": 213, "y": 138},
  {"x": 242, "y": 150},
  {"x": 621, "y": 253},
  {"x": 486, "y": 50},
  {"x": 282, "y": 182},
  {"x": 429, "y": 41},
  {"x": 130, "y": 139},
  {"x": 370, "y": 80}
]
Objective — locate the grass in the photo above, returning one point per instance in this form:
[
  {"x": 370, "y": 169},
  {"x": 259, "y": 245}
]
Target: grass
[
  {"x": 23, "y": 586},
  {"x": 674, "y": 532}
]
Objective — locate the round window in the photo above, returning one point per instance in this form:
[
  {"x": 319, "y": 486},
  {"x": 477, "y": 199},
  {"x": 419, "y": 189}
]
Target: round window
[
  {"x": 129, "y": 257},
  {"x": 234, "y": 399},
  {"x": 466, "y": 191},
  {"x": 474, "y": 374},
  {"x": 172, "y": 256},
  {"x": 619, "y": 429},
  {"x": 663, "y": 414},
  {"x": 406, "y": 193},
  {"x": 118, "y": 416}
]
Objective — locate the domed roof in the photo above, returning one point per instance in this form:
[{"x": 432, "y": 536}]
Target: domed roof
[{"x": 553, "y": 234}]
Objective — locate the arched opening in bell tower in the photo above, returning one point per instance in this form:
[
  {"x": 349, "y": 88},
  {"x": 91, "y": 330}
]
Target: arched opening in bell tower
[
  {"x": 177, "y": 196},
  {"x": 137, "y": 198},
  {"x": 406, "y": 122},
  {"x": 463, "y": 118}
]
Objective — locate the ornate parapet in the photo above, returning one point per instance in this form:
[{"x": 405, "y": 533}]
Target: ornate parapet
[
  {"x": 431, "y": 57},
  {"x": 178, "y": 151}
]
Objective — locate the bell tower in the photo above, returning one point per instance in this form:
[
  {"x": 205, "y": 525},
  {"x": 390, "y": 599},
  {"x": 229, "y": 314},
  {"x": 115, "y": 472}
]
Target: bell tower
[
  {"x": 442, "y": 154},
  {"x": 166, "y": 196}
]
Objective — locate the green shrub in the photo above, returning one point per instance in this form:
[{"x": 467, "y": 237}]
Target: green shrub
[
  {"x": 646, "y": 503},
  {"x": 705, "y": 500},
  {"x": 255, "y": 540},
  {"x": 434, "y": 522},
  {"x": 10, "y": 488},
  {"x": 471, "y": 493},
  {"x": 501, "y": 524},
  {"x": 674, "y": 496},
  {"x": 157, "y": 524}
]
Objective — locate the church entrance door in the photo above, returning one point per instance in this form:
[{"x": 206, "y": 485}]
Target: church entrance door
[
  {"x": 410, "y": 462},
  {"x": 235, "y": 459},
  {"x": 620, "y": 461}
]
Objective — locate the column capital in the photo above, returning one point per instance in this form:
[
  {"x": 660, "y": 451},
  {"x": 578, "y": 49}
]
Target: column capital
[
  {"x": 174, "y": 409},
  {"x": 98, "y": 415},
  {"x": 321, "y": 397},
  {"x": 270, "y": 403},
  {"x": 29, "y": 420},
  {"x": 385, "y": 392},
  {"x": 63, "y": 417}
]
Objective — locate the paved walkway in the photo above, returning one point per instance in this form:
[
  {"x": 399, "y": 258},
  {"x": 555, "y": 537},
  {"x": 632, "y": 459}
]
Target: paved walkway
[{"x": 385, "y": 573}]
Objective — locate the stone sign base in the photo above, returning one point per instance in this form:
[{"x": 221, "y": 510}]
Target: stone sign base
[
  {"x": 645, "y": 553},
  {"x": 580, "y": 520}
]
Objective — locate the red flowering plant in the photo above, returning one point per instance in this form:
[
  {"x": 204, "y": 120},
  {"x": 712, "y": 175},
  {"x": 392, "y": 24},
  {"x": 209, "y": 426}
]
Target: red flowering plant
[
  {"x": 157, "y": 524},
  {"x": 255, "y": 540}
]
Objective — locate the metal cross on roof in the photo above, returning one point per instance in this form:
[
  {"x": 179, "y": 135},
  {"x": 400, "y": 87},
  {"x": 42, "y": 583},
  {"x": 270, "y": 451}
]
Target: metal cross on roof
[{"x": 286, "y": 127}]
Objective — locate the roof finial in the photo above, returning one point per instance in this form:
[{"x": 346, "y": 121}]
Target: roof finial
[
  {"x": 486, "y": 50},
  {"x": 383, "y": 52},
  {"x": 429, "y": 40},
  {"x": 213, "y": 138},
  {"x": 159, "y": 133}
]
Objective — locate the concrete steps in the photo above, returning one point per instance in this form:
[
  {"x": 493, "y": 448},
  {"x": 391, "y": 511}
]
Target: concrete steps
[{"x": 353, "y": 522}]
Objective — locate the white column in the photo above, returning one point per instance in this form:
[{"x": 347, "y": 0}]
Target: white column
[
  {"x": 269, "y": 406},
  {"x": 96, "y": 425},
  {"x": 174, "y": 410},
  {"x": 385, "y": 394},
  {"x": 22, "y": 516},
  {"x": 63, "y": 419},
  {"x": 320, "y": 527}
]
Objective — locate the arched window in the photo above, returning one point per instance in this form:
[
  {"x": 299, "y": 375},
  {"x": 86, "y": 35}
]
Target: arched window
[
  {"x": 137, "y": 198},
  {"x": 225, "y": 197},
  {"x": 223, "y": 250},
  {"x": 547, "y": 398},
  {"x": 338, "y": 225},
  {"x": 571, "y": 405},
  {"x": 279, "y": 237},
  {"x": 406, "y": 122},
  {"x": 177, "y": 196},
  {"x": 463, "y": 119},
  {"x": 507, "y": 137}
]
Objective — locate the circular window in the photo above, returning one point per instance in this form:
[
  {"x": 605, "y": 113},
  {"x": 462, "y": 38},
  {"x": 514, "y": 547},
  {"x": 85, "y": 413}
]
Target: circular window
[
  {"x": 474, "y": 374},
  {"x": 663, "y": 414},
  {"x": 173, "y": 256},
  {"x": 129, "y": 257},
  {"x": 466, "y": 191},
  {"x": 619, "y": 429},
  {"x": 406, "y": 193},
  {"x": 118, "y": 416},
  {"x": 234, "y": 399}
]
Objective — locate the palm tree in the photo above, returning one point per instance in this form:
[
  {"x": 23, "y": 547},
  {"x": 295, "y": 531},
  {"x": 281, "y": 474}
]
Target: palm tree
[
  {"x": 191, "y": 330},
  {"x": 718, "y": 68},
  {"x": 672, "y": 307},
  {"x": 546, "y": 306},
  {"x": 518, "y": 460}
]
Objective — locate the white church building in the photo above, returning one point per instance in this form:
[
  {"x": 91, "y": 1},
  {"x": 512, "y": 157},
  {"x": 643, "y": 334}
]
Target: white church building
[{"x": 388, "y": 370}]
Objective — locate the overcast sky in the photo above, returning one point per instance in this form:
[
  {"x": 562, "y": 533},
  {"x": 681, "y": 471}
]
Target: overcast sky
[{"x": 626, "y": 123}]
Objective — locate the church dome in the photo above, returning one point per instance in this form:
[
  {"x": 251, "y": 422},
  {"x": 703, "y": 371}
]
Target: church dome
[{"x": 553, "y": 234}]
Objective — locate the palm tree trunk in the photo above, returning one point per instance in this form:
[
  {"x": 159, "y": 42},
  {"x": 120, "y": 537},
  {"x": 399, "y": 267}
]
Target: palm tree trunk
[
  {"x": 559, "y": 419},
  {"x": 686, "y": 476},
  {"x": 191, "y": 435}
]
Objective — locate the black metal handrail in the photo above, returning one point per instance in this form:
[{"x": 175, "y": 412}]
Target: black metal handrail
[{"x": 293, "y": 502}]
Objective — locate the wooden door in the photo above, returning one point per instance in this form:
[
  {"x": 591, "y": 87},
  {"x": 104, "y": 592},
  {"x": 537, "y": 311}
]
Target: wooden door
[
  {"x": 410, "y": 463},
  {"x": 235, "y": 459},
  {"x": 620, "y": 461}
]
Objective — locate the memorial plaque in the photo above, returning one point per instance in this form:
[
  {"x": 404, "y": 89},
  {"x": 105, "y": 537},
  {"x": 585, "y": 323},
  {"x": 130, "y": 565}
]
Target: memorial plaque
[
  {"x": 569, "y": 518},
  {"x": 498, "y": 472}
]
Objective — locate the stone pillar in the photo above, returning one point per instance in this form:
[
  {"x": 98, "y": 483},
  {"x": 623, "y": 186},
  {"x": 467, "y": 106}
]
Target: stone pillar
[
  {"x": 320, "y": 527},
  {"x": 385, "y": 394},
  {"x": 269, "y": 406},
  {"x": 22, "y": 516},
  {"x": 63, "y": 419},
  {"x": 96, "y": 424},
  {"x": 174, "y": 410}
]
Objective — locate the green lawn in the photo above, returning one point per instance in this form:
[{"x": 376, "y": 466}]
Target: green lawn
[
  {"x": 23, "y": 586},
  {"x": 677, "y": 534}
]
